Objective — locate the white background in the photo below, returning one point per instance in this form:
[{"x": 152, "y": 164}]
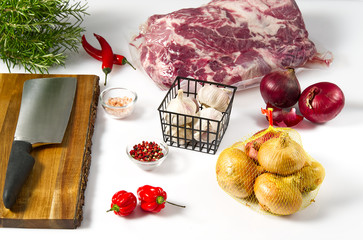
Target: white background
[{"x": 189, "y": 177}]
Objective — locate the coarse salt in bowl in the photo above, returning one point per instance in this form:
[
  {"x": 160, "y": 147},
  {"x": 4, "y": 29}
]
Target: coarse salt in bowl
[
  {"x": 144, "y": 164},
  {"x": 118, "y": 102}
]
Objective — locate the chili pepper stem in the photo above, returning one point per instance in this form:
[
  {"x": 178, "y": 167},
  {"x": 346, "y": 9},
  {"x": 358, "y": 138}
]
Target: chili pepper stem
[
  {"x": 124, "y": 61},
  {"x": 174, "y": 204},
  {"x": 105, "y": 79},
  {"x": 161, "y": 200},
  {"x": 106, "y": 71},
  {"x": 115, "y": 207}
]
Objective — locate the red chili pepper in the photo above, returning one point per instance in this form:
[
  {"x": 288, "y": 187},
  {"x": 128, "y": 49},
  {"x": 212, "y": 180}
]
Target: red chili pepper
[
  {"x": 123, "y": 203},
  {"x": 121, "y": 60},
  {"x": 153, "y": 199},
  {"x": 97, "y": 54},
  {"x": 92, "y": 51},
  {"x": 107, "y": 55}
]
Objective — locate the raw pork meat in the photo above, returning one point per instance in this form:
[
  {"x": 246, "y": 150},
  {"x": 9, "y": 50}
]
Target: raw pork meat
[{"x": 234, "y": 42}]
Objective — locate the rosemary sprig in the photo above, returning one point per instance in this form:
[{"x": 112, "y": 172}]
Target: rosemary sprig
[{"x": 37, "y": 34}]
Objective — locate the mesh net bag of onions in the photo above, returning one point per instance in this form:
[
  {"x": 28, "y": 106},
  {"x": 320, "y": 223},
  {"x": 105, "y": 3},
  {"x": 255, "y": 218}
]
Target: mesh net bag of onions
[{"x": 270, "y": 171}]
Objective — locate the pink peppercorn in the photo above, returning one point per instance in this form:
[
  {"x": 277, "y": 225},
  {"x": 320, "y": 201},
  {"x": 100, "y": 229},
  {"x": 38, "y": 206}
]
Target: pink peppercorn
[{"x": 147, "y": 151}]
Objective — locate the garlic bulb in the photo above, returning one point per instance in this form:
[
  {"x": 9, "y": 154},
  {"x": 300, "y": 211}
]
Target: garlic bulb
[
  {"x": 182, "y": 105},
  {"x": 181, "y": 135},
  {"x": 203, "y": 127},
  {"x": 213, "y": 96}
]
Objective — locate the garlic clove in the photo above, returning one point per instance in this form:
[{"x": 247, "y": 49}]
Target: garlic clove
[
  {"x": 181, "y": 134},
  {"x": 210, "y": 113},
  {"x": 213, "y": 96},
  {"x": 180, "y": 106},
  {"x": 206, "y": 129}
]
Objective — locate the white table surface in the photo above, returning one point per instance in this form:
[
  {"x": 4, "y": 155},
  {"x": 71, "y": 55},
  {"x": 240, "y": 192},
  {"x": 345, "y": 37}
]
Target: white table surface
[{"x": 189, "y": 177}]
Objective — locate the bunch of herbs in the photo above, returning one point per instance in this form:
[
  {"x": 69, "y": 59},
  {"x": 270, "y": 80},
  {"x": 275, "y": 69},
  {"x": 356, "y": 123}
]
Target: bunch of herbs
[{"x": 37, "y": 34}]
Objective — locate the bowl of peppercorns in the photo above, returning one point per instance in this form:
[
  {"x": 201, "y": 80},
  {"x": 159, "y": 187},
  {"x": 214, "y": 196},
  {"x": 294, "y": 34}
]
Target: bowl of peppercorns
[{"x": 147, "y": 154}]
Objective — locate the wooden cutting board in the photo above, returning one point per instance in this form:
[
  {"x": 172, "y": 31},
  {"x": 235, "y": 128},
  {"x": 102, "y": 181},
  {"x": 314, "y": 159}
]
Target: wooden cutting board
[{"x": 53, "y": 195}]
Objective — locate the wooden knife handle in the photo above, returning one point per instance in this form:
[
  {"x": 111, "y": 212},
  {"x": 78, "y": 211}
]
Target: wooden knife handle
[{"x": 19, "y": 167}]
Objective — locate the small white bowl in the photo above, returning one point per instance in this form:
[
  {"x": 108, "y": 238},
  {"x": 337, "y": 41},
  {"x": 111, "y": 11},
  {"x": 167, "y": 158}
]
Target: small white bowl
[
  {"x": 148, "y": 165},
  {"x": 118, "y": 112}
]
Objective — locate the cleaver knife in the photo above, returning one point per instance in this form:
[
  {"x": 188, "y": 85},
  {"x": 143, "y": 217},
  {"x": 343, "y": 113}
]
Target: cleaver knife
[{"x": 46, "y": 105}]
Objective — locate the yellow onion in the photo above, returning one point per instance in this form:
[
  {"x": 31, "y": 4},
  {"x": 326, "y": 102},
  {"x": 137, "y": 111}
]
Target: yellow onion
[
  {"x": 282, "y": 155},
  {"x": 275, "y": 195},
  {"x": 236, "y": 172},
  {"x": 309, "y": 177}
]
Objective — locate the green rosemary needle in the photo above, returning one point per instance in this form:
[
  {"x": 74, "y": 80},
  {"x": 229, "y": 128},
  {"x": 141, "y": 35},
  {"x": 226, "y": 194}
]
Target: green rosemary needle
[{"x": 37, "y": 34}]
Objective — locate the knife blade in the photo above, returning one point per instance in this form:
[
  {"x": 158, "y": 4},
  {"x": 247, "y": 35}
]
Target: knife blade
[{"x": 46, "y": 106}]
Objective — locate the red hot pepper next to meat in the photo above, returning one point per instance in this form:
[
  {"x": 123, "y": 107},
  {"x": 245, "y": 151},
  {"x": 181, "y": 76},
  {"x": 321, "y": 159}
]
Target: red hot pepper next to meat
[
  {"x": 107, "y": 55},
  {"x": 97, "y": 54},
  {"x": 153, "y": 199}
]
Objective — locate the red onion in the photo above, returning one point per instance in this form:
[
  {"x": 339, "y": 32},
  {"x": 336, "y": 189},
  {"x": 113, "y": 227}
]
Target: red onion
[
  {"x": 280, "y": 88},
  {"x": 321, "y": 102},
  {"x": 287, "y": 116}
]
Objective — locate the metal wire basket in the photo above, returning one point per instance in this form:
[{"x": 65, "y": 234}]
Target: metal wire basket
[{"x": 189, "y": 136}]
